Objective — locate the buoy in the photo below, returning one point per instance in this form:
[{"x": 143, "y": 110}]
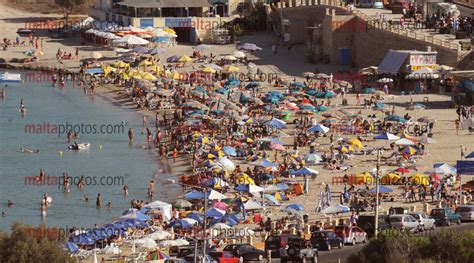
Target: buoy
[
  {"x": 60, "y": 153},
  {"x": 100, "y": 146}
]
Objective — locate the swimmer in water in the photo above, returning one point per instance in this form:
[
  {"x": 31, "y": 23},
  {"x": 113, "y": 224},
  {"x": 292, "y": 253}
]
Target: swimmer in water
[
  {"x": 98, "y": 202},
  {"x": 69, "y": 136},
  {"x": 10, "y": 204},
  {"x": 26, "y": 150},
  {"x": 109, "y": 205},
  {"x": 76, "y": 135},
  {"x": 22, "y": 110},
  {"x": 125, "y": 190},
  {"x": 85, "y": 198}
]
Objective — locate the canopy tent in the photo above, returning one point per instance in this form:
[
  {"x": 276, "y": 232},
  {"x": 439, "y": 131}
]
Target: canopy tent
[
  {"x": 165, "y": 208},
  {"x": 131, "y": 40}
]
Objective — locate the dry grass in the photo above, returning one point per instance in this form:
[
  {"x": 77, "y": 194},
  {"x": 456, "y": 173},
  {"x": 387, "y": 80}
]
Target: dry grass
[{"x": 44, "y": 6}]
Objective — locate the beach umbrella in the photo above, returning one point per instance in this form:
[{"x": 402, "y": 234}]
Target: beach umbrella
[
  {"x": 345, "y": 149},
  {"x": 185, "y": 59},
  {"x": 230, "y": 69},
  {"x": 157, "y": 256},
  {"x": 95, "y": 55},
  {"x": 238, "y": 54},
  {"x": 355, "y": 142},
  {"x": 70, "y": 247},
  {"x": 402, "y": 170},
  {"x": 159, "y": 235},
  {"x": 335, "y": 209},
  {"x": 405, "y": 135},
  {"x": 319, "y": 128},
  {"x": 112, "y": 250},
  {"x": 295, "y": 207},
  {"x": 244, "y": 179},
  {"x": 220, "y": 205},
  {"x": 426, "y": 119},
  {"x": 364, "y": 178},
  {"x": 194, "y": 195},
  {"x": 137, "y": 215},
  {"x": 264, "y": 163},
  {"x": 386, "y": 136},
  {"x": 208, "y": 70},
  {"x": 278, "y": 147},
  {"x": 230, "y": 151},
  {"x": 146, "y": 243},
  {"x": 389, "y": 178},
  {"x": 249, "y": 188},
  {"x": 395, "y": 118},
  {"x": 404, "y": 142},
  {"x": 382, "y": 190},
  {"x": 409, "y": 150},
  {"x": 214, "y": 195},
  {"x": 196, "y": 216},
  {"x": 416, "y": 107},
  {"x": 184, "y": 223},
  {"x": 182, "y": 203},
  {"x": 215, "y": 212},
  {"x": 368, "y": 90},
  {"x": 131, "y": 40},
  {"x": 420, "y": 179},
  {"x": 202, "y": 47},
  {"x": 252, "y": 205},
  {"x": 220, "y": 226},
  {"x": 313, "y": 158},
  {"x": 471, "y": 155},
  {"x": 305, "y": 171},
  {"x": 174, "y": 243},
  {"x": 142, "y": 50},
  {"x": 271, "y": 198},
  {"x": 227, "y": 164},
  {"x": 274, "y": 122}
]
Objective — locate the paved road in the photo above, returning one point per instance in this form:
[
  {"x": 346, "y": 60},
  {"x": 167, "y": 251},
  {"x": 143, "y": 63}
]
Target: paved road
[{"x": 345, "y": 252}]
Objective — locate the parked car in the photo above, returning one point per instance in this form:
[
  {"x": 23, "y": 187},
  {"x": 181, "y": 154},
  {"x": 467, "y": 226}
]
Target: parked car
[
  {"x": 405, "y": 222},
  {"x": 426, "y": 221},
  {"x": 224, "y": 257},
  {"x": 367, "y": 223},
  {"x": 351, "y": 234},
  {"x": 466, "y": 212},
  {"x": 326, "y": 239},
  {"x": 445, "y": 216},
  {"x": 299, "y": 250},
  {"x": 245, "y": 252},
  {"x": 275, "y": 243},
  {"x": 207, "y": 259},
  {"x": 175, "y": 260}
]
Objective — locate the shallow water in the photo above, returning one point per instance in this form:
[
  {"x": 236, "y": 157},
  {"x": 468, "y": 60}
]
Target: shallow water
[{"x": 110, "y": 157}]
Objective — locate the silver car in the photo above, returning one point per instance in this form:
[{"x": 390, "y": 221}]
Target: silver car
[
  {"x": 405, "y": 222},
  {"x": 466, "y": 212},
  {"x": 426, "y": 221}
]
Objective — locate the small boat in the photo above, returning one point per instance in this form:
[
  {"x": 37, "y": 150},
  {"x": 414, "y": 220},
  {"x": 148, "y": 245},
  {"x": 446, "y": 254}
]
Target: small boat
[
  {"x": 80, "y": 146},
  {"x": 25, "y": 31},
  {"x": 10, "y": 77}
]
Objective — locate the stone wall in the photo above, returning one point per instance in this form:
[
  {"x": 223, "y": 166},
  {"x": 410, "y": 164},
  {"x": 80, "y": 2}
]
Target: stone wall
[{"x": 371, "y": 45}]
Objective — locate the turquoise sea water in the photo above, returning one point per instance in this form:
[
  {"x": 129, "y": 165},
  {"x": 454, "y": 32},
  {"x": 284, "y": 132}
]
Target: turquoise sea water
[{"x": 136, "y": 164}]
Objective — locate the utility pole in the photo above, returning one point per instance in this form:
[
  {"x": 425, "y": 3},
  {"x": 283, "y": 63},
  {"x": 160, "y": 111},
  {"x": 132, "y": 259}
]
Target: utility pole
[
  {"x": 205, "y": 227},
  {"x": 376, "y": 224}
]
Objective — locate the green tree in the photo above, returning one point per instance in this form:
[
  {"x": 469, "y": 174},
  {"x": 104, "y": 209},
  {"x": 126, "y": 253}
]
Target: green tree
[
  {"x": 21, "y": 247},
  {"x": 69, "y": 5}
]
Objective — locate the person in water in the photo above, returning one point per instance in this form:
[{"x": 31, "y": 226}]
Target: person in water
[
  {"x": 98, "y": 202},
  {"x": 10, "y": 204},
  {"x": 130, "y": 135},
  {"x": 26, "y": 150},
  {"x": 69, "y": 136}
]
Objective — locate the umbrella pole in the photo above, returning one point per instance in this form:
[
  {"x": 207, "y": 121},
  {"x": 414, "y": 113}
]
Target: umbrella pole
[{"x": 376, "y": 224}]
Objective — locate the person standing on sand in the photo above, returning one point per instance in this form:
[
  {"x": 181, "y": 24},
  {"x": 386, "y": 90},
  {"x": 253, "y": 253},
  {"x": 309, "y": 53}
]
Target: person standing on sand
[
  {"x": 458, "y": 125},
  {"x": 77, "y": 53},
  {"x": 463, "y": 151}
]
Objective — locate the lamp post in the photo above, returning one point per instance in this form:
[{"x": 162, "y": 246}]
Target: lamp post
[{"x": 376, "y": 224}]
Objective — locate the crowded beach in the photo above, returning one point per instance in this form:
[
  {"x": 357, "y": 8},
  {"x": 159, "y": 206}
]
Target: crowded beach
[{"x": 261, "y": 154}]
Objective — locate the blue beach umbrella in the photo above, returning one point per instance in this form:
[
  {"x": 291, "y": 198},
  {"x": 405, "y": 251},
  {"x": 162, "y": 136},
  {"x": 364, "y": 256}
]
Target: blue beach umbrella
[
  {"x": 382, "y": 189},
  {"x": 305, "y": 171},
  {"x": 231, "y": 151},
  {"x": 274, "y": 122},
  {"x": 296, "y": 207},
  {"x": 70, "y": 247},
  {"x": 194, "y": 195},
  {"x": 271, "y": 198},
  {"x": 264, "y": 163},
  {"x": 196, "y": 216},
  {"x": 471, "y": 155}
]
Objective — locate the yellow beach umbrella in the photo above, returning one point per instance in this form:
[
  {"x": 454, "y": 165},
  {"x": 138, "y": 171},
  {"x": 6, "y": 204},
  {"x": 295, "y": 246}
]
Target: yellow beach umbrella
[
  {"x": 244, "y": 178},
  {"x": 365, "y": 178},
  {"x": 148, "y": 76},
  {"x": 230, "y": 69},
  {"x": 145, "y": 62},
  {"x": 390, "y": 178},
  {"x": 278, "y": 197},
  {"x": 121, "y": 64},
  {"x": 185, "y": 59},
  {"x": 208, "y": 70},
  {"x": 169, "y": 30},
  {"x": 420, "y": 179},
  {"x": 355, "y": 143}
]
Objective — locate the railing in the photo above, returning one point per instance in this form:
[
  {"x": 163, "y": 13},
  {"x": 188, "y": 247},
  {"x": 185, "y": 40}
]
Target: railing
[{"x": 402, "y": 32}]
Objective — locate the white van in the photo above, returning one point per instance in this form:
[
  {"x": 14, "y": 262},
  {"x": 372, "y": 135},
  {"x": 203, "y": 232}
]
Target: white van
[{"x": 466, "y": 212}]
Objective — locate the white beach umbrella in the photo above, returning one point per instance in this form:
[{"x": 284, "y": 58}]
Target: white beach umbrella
[
  {"x": 159, "y": 235},
  {"x": 214, "y": 195},
  {"x": 112, "y": 249},
  {"x": 146, "y": 243},
  {"x": 404, "y": 142},
  {"x": 220, "y": 226},
  {"x": 131, "y": 40}
]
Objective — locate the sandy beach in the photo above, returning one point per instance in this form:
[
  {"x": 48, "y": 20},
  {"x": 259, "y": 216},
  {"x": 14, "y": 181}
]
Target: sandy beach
[{"x": 288, "y": 66}]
